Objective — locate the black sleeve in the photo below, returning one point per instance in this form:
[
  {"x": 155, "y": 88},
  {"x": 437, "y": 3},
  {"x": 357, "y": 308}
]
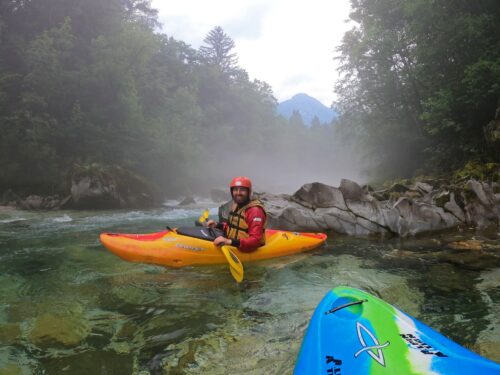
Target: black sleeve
[{"x": 235, "y": 243}]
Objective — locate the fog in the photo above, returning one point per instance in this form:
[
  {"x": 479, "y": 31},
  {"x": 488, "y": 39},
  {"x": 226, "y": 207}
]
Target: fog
[{"x": 285, "y": 167}]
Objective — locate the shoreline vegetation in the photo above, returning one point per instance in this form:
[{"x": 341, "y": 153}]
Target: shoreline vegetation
[{"x": 86, "y": 84}]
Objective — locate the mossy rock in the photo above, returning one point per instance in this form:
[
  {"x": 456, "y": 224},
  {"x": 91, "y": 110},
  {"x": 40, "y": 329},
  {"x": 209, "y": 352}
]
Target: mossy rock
[
  {"x": 479, "y": 171},
  {"x": 55, "y": 330},
  {"x": 11, "y": 369},
  {"x": 10, "y": 334}
]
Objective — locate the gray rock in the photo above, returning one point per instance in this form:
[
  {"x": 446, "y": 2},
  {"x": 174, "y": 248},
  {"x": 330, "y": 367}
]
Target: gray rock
[
  {"x": 187, "y": 201},
  {"x": 99, "y": 187},
  {"x": 452, "y": 207},
  {"x": 351, "y": 190},
  {"x": 318, "y": 195},
  {"x": 479, "y": 189},
  {"x": 32, "y": 202},
  {"x": 423, "y": 187},
  {"x": 319, "y": 207},
  {"x": 88, "y": 192},
  {"x": 482, "y": 208}
]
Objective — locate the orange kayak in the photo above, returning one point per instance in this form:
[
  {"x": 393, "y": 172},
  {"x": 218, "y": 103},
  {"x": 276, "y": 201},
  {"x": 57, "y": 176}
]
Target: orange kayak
[{"x": 193, "y": 246}]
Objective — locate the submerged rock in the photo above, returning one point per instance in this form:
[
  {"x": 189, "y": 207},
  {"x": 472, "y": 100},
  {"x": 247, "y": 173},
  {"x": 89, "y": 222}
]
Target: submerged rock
[
  {"x": 466, "y": 245},
  {"x": 10, "y": 334},
  {"x": 50, "y": 329}
]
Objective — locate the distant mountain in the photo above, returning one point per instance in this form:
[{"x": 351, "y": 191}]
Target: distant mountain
[{"x": 308, "y": 108}]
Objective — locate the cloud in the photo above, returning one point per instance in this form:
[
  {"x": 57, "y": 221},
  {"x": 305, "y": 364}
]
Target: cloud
[
  {"x": 249, "y": 23},
  {"x": 288, "y": 44},
  {"x": 297, "y": 79}
]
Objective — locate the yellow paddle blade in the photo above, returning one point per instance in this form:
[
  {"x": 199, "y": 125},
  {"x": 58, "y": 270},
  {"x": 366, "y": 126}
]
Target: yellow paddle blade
[
  {"x": 235, "y": 265},
  {"x": 204, "y": 216}
]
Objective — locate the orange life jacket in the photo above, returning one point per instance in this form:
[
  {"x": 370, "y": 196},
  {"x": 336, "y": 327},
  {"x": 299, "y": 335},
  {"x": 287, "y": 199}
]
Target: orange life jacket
[{"x": 237, "y": 225}]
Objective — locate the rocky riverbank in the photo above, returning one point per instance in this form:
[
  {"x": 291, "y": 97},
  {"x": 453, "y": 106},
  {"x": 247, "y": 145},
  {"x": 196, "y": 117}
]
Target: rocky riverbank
[
  {"x": 91, "y": 187},
  {"x": 400, "y": 210}
]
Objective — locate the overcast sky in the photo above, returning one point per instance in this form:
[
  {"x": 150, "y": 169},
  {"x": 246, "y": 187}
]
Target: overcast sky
[{"x": 289, "y": 44}]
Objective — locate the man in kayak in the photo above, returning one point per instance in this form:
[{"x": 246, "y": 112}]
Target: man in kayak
[{"x": 246, "y": 225}]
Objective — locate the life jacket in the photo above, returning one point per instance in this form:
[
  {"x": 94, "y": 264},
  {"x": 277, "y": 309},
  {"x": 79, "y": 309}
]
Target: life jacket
[{"x": 237, "y": 226}]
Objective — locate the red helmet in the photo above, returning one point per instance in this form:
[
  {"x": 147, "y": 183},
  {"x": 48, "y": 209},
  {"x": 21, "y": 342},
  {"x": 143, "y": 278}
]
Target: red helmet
[{"x": 241, "y": 182}]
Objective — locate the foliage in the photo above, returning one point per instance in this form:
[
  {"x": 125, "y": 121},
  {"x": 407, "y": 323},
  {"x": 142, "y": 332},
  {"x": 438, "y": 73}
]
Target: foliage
[
  {"x": 420, "y": 81},
  {"x": 478, "y": 171},
  {"x": 91, "y": 83},
  {"x": 218, "y": 50}
]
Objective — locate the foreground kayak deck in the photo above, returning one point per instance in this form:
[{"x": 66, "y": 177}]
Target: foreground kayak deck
[
  {"x": 353, "y": 332},
  {"x": 172, "y": 249}
]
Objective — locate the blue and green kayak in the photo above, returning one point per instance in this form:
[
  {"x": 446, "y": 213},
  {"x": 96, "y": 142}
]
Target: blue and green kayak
[{"x": 353, "y": 332}]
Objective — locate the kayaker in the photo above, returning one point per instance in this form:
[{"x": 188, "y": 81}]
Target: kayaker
[{"x": 246, "y": 225}]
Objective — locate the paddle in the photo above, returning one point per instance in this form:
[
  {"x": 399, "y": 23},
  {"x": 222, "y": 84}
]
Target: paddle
[
  {"x": 235, "y": 265},
  {"x": 203, "y": 217}
]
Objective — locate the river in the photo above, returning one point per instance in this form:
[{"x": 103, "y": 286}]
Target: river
[{"x": 70, "y": 306}]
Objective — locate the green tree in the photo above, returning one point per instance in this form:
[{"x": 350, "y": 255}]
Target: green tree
[
  {"x": 218, "y": 50},
  {"x": 420, "y": 80}
]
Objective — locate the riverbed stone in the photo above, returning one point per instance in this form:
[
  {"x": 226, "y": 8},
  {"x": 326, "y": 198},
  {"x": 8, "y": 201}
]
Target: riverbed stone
[
  {"x": 90, "y": 362},
  {"x": 466, "y": 245},
  {"x": 474, "y": 260},
  {"x": 61, "y": 330},
  {"x": 446, "y": 278},
  {"x": 10, "y": 334},
  {"x": 11, "y": 369}
]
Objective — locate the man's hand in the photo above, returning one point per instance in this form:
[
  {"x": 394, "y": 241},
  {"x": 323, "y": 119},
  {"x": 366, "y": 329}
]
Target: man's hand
[
  {"x": 211, "y": 223},
  {"x": 220, "y": 241}
]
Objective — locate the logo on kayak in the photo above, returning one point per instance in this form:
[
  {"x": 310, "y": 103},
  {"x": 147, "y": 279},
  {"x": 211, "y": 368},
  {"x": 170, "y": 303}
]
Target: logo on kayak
[
  {"x": 418, "y": 344},
  {"x": 333, "y": 365},
  {"x": 375, "y": 350},
  {"x": 170, "y": 239},
  {"x": 187, "y": 247}
]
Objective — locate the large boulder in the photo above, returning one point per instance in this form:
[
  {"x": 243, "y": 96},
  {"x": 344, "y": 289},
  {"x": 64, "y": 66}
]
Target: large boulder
[
  {"x": 352, "y": 210},
  {"x": 482, "y": 204},
  {"x": 318, "y": 195},
  {"x": 97, "y": 187},
  {"x": 351, "y": 190}
]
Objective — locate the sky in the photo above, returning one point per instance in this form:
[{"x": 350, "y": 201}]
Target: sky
[{"x": 289, "y": 44}]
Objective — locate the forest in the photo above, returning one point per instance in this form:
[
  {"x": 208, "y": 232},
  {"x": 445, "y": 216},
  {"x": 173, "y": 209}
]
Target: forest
[{"x": 96, "y": 83}]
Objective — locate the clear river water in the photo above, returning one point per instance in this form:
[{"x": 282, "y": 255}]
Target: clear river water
[{"x": 68, "y": 306}]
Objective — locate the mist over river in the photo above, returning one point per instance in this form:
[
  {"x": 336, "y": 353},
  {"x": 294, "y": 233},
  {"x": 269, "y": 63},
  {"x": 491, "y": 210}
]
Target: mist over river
[{"x": 70, "y": 306}]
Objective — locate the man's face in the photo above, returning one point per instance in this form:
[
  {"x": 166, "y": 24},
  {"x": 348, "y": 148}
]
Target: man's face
[{"x": 240, "y": 194}]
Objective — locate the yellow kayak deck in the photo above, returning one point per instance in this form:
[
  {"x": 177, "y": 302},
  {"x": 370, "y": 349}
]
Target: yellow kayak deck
[{"x": 169, "y": 248}]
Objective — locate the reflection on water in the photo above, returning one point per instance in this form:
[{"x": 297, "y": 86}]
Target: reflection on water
[{"x": 69, "y": 306}]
